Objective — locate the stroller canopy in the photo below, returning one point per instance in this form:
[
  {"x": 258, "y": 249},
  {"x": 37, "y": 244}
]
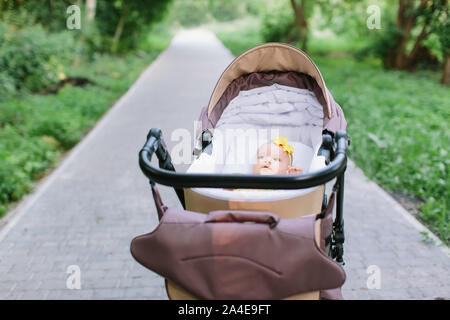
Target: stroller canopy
[{"x": 269, "y": 58}]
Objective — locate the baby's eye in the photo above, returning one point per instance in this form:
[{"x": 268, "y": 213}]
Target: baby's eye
[
  {"x": 276, "y": 159},
  {"x": 260, "y": 157}
]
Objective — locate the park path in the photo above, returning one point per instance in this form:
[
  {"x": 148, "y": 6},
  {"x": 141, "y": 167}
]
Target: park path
[{"x": 88, "y": 210}]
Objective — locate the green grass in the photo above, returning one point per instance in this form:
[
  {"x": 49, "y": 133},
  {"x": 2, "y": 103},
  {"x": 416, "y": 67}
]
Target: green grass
[
  {"x": 35, "y": 130},
  {"x": 397, "y": 121}
]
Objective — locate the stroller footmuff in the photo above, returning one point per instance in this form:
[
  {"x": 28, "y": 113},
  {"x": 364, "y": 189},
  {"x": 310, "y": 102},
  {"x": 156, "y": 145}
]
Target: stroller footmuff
[
  {"x": 219, "y": 256},
  {"x": 253, "y": 236}
]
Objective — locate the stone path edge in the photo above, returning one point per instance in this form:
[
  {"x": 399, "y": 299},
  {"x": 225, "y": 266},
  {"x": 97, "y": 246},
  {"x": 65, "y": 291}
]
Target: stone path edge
[{"x": 397, "y": 207}]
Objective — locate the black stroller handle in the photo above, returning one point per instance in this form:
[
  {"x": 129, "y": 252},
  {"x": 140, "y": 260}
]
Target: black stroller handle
[{"x": 169, "y": 177}]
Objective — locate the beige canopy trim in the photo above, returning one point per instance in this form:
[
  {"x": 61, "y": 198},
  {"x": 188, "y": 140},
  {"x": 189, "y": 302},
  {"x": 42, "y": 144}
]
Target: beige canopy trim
[{"x": 268, "y": 57}]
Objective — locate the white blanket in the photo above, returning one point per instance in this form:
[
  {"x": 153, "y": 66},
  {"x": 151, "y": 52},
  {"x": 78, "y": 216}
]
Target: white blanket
[{"x": 277, "y": 106}]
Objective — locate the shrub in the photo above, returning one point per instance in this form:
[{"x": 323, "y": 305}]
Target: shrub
[
  {"x": 7, "y": 85},
  {"x": 227, "y": 10},
  {"x": 21, "y": 160},
  {"x": 157, "y": 38},
  {"x": 190, "y": 13},
  {"x": 30, "y": 58},
  {"x": 277, "y": 23}
]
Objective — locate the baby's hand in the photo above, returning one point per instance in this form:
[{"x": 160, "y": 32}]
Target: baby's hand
[{"x": 294, "y": 170}]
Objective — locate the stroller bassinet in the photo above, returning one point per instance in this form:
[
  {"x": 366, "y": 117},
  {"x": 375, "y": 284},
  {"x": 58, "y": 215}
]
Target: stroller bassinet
[{"x": 279, "y": 70}]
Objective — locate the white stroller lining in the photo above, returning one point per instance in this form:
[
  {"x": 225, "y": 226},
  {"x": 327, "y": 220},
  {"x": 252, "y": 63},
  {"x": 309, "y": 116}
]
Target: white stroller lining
[
  {"x": 253, "y": 118},
  {"x": 296, "y": 113}
]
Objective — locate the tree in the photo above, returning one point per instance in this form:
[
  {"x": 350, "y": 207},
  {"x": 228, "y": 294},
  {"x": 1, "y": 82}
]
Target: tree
[
  {"x": 120, "y": 17},
  {"x": 50, "y": 14},
  {"x": 427, "y": 16},
  {"x": 302, "y": 10},
  {"x": 442, "y": 29},
  {"x": 90, "y": 9},
  {"x": 226, "y": 10},
  {"x": 287, "y": 21}
]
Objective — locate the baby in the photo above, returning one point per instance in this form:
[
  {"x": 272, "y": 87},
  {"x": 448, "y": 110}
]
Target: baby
[{"x": 275, "y": 157}]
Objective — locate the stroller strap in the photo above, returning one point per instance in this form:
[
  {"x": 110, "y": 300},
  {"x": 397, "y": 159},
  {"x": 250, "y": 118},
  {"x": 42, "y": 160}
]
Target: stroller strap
[{"x": 243, "y": 216}]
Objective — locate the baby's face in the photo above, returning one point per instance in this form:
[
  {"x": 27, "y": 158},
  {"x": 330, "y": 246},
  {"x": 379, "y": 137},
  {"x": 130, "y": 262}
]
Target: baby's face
[{"x": 271, "y": 159}]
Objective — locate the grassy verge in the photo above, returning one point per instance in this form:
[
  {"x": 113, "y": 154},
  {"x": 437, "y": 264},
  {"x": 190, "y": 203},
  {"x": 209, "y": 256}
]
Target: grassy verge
[
  {"x": 36, "y": 129},
  {"x": 398, "y": 125},
  {"x": 397, "y": 122}
]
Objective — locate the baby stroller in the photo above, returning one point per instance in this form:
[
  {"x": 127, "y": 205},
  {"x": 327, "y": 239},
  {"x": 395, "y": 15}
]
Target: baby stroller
[{"x": 271, "y": 86}]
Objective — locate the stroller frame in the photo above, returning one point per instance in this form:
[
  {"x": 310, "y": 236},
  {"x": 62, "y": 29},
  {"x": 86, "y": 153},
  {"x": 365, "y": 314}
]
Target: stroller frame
[{"x": 334, "y": 148}]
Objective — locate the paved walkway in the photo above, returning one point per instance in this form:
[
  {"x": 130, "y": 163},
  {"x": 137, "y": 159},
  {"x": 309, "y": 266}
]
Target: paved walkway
[{"x": 89, "y": 209}]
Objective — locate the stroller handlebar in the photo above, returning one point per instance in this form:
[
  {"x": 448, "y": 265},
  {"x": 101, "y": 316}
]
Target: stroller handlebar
[{"x": 166, "y": 174}]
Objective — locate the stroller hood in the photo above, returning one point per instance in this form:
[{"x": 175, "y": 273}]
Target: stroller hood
[{"x": 272, "y": 62}]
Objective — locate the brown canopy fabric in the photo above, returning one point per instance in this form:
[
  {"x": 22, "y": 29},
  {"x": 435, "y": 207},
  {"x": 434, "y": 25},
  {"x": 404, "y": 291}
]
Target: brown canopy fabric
[{"x": 265, "y": 65}]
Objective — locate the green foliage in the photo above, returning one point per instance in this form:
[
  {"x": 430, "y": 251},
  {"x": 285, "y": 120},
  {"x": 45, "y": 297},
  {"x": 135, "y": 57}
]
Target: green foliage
[
  {"x": 436, "y": 14},
  {"x": 256, "y": 8},
  {"x": 433, "y": 18},
  {"x": 21, "y": 161},
  {"x": 30, "y": 58},
  {"x": 124, "y": 19},
  {"x": 48, "y": 13},
  {"x": 379, "y": 42},
  {"x": 189, "y": 13},
  {"x": 227, "y": 10},
  {"x": 345, "y": 17},
  {"x": 7, "y": 85},
  {"x": 136, "y": 16},
  {"x": 277, "y": 22},
  {"x": 157, "y": 38},
  {"x": 399, "y": 131}
]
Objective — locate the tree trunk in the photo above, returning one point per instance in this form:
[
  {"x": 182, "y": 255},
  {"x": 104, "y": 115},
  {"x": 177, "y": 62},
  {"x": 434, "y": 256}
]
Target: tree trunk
[
  {"x": 119, "y": 28},
  {"x": 301, "y": 22},
  {"x": 77, "y": 59},
  {"x": 396, "y": 56},
  {"x": 446, "y": 72},
  {"x": 90, "y": 10}
]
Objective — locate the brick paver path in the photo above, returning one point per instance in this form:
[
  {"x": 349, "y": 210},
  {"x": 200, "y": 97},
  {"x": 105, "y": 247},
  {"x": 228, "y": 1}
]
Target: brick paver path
[{"x": 89, "y": 209}]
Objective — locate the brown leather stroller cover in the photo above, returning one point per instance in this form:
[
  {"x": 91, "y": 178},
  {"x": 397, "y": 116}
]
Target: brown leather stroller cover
[{"x": 240, "y": 254}]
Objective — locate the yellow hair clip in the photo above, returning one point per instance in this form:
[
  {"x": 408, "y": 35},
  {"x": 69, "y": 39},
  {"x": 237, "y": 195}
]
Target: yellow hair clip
[{"x": 282, "y": 142}]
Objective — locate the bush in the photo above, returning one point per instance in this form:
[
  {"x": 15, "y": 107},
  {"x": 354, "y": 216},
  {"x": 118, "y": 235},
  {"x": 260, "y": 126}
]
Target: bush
[
  {"x": 190, "y": 13},
  {"x": 30, "y": 58},
  {"x": 7, "y": 85},
  {"x": 22, "y": 14},
  {"x": 132, "y": 17},
  {"x": 22, "y": 161},
  {"x": 227, "y": 10},
  {"x": 277, "y": 23},
  {"x": 157, "y": 38}
]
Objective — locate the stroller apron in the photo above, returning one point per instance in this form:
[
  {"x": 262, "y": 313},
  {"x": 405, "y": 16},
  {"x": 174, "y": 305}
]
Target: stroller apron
[{"x": 286, "y": 243}]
